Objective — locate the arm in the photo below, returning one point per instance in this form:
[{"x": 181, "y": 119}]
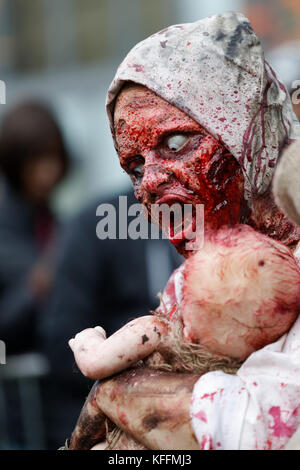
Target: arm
[
  {"x": 90, "y": 427},
  {"x": 151, "y": 406},
  {"x": 258, "y": 408},
  {"x": 98, "y": 357}
]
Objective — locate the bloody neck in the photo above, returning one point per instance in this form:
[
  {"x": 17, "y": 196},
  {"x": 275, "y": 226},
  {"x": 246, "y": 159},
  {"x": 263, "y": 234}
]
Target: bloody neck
[{"x": 267, "y": 218}]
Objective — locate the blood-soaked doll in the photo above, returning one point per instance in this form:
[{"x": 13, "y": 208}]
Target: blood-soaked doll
[{"x": 237, "y": 294}]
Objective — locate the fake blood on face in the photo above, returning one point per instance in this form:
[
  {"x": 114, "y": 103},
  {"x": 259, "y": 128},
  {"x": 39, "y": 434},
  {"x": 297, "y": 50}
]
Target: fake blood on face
[{"x": 201, "y": 171}]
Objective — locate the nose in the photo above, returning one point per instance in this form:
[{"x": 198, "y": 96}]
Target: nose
[{"x": 154, "y": 178}]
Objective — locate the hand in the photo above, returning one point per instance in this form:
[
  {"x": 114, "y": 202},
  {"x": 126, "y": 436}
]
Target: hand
[
  {"x": 40, "y": 280},
  {"x": 85, "y": 347}
]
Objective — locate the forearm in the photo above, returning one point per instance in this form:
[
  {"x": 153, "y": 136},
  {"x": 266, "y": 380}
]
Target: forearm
[{"x": 152, "y": 406}]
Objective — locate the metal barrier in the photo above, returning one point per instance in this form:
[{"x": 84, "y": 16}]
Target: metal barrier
[{"x": 25, "y": 370}]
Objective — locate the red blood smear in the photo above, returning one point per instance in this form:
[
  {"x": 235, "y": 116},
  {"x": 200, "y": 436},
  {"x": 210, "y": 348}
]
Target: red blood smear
[
  {"x": 123, "y": 418},
  {"x": 268, "y": 445},
  {"x": 170, "y": 291},
  {"x": 201, "y": 415},
  {"x": 206, "y": 439},
  {"x": 209, "y": 395},
  {"x": 280, "y": 429},
  {"x": 138, "y": 68},
  {"x": 172, "y": 312}
]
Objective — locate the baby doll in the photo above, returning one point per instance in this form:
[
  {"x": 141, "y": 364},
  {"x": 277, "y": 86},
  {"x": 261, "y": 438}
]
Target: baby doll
[
  {"x": 237, "y": 294},
  {"x": 232, "y": 297}
]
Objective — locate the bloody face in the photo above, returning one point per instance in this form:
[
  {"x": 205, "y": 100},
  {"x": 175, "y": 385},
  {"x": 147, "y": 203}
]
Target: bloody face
[{"x": 172, "y": 159}]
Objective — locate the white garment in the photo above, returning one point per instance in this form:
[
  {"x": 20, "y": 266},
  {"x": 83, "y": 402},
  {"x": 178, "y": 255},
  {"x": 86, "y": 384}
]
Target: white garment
[{"x": 259, "y": 407}]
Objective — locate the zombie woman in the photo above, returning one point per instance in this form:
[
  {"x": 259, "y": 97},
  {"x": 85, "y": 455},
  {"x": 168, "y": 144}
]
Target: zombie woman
[{"x": 199, "y": 117}]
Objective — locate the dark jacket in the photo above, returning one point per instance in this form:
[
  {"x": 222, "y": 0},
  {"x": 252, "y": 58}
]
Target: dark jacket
[{"x": 19, "y": 252}]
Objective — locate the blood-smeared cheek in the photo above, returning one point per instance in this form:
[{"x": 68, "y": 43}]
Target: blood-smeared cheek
[
  {"x": 134, "y": 136},
  {"x": 217, "y": 180}
]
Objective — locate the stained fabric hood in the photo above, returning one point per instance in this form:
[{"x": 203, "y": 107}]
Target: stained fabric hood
[{"x": 215, "y": 71}]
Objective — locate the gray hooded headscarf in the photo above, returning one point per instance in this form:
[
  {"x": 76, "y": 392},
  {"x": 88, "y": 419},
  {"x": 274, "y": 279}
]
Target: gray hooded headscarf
[{"x": 214, "y": 70}]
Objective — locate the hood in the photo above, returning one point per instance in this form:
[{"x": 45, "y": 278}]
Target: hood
[{"x": 215, "y": 71}]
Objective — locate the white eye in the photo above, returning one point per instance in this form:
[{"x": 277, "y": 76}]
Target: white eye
[
  {"x": 175, "y": 142},
  {"x": 138, "y": 170}
]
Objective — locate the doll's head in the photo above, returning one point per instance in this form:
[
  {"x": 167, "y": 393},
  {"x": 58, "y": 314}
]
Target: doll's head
[{"x": 240, "y": 292}]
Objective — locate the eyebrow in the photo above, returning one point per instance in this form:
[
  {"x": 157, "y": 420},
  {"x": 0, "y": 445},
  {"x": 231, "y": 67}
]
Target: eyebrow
[
  {"x": 121, "y": 123},
  {"x": 169, "y": 128}
]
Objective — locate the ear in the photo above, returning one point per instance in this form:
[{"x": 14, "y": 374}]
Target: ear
[{"x": 286, "y": 182}]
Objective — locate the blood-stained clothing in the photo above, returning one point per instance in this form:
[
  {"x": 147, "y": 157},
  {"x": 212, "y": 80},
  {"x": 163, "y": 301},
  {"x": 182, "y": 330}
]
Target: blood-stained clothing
[{"x": 259, "y": 407}]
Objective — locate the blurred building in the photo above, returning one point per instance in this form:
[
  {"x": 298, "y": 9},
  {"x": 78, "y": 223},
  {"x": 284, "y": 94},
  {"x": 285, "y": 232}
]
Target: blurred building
[
  {"x": 65, "y": 52},
  {"x": 275, "y": 21}
]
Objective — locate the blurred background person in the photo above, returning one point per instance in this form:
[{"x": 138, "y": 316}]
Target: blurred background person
[{"x": 33, "y": 161}]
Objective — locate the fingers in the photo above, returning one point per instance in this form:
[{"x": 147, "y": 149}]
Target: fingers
[
  {"x": 83, "y": 338},
  {"x": 100, "y": 330},
  {"x": 100, "y": 446}
]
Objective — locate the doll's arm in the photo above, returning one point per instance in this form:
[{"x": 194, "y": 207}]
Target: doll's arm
[{"x": 98, "y": 357}]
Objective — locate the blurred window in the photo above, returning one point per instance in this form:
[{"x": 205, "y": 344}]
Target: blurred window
[{"x": 40, "y": 34}]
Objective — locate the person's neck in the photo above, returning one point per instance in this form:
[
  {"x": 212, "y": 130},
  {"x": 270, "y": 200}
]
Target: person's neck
[{"x": 267, "y": 218}]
